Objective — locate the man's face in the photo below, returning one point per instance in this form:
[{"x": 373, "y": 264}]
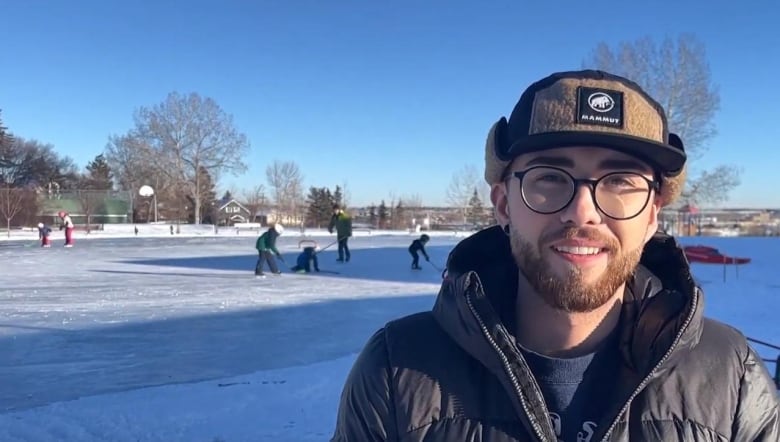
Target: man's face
[{"x": 576, "y": 258}]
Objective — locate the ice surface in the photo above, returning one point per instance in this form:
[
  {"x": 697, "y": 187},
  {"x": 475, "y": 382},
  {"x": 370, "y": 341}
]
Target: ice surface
[{"x": 174, "y": 339}]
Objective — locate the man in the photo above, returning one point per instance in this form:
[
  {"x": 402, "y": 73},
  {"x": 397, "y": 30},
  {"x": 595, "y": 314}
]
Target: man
[
  {"x": 342, "y": 222},
  {"x": 572, "y": 320},
  {"x": 266, "y": 250}
]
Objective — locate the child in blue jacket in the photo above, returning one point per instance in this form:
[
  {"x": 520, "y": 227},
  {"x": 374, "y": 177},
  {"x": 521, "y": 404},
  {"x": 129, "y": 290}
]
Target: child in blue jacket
[
  {"x": 305, "y": 261},
  {"x": 43, "y": 234}
]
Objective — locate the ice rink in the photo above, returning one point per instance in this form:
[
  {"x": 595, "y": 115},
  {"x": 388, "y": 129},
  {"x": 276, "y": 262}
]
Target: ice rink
[
  {"x": 174, "y": 339},
  {"x": 118, "y": 314}
]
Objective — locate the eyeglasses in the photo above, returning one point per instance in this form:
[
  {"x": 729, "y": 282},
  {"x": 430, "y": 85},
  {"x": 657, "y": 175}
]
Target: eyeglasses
[{"x": 618, "y": 195}]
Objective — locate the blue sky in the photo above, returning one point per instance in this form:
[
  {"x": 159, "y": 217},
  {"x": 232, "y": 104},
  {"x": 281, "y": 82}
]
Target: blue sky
[{"x": 389, "y": 97}]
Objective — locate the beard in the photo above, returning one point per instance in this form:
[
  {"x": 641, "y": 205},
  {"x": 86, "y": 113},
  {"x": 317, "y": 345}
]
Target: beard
[{"x": 570, "y": 292}]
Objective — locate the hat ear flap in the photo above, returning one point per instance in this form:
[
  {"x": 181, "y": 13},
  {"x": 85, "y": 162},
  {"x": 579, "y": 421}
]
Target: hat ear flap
[
  {"x": 496, "y": 157},
  {"x": 498, "y": 139},
  {"x": 676, "y": 142}
]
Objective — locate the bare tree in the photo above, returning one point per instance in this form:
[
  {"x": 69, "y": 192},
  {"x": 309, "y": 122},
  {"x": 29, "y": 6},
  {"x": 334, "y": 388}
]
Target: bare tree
[
  {"x": 412, "y": 201},
  {"x": 676, "y": 73},
  {"x": 255, "y": 200},
  {"x": 392, "y": 199},
  {"x": 90, "y": 201},
  {"x": 286, "y": 183},
  {"x": 461, "y": 188},
  {"x": 412, "y": 205},
  {"x": 182, "y": 136},
  {"x": 297, "y": 201},
  {"x": 276, "y": 177},
  {"x": 35, "y": 164},
  {"x": 11, "y": 203},
  {"x": 346, "y": 195},
  {"x": 712, "y": 186},
  {"x": 132, "y": 164}
]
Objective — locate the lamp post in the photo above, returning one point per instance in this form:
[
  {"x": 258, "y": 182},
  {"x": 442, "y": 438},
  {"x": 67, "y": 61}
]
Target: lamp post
[{"x": 147, "y": 191}]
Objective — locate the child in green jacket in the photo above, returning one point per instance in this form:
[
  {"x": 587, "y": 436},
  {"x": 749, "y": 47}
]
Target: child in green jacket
[{"x": 266, "y": 250}]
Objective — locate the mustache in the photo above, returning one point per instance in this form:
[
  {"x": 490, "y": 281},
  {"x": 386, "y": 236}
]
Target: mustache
[{"x": 579, "y": 233}]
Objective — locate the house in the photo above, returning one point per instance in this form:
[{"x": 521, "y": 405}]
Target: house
[
  {"x": 231, "y": 212},
  {"x": 101, "y": 207}
]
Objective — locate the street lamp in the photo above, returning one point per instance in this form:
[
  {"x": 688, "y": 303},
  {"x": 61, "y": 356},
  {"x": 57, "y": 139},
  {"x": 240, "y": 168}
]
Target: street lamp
[{"x": 147, "y": 191}]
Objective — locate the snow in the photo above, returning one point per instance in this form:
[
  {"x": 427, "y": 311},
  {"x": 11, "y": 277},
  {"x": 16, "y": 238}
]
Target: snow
[{"x": 172, "y": 338}]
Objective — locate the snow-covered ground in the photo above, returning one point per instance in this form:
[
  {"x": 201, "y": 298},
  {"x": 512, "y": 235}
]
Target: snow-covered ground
[
  {"x": 172, "y": 338},
  {"x": 30, "y": 234}
]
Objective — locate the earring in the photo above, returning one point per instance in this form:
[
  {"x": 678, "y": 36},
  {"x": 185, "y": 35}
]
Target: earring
[{"x": 506, "y": 229}]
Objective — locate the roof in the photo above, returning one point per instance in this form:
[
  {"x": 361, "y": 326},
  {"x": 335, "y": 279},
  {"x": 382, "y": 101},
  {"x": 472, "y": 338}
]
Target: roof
[
  {"x": 233, "y": 201},
  {"x": 107, "y": 206}
]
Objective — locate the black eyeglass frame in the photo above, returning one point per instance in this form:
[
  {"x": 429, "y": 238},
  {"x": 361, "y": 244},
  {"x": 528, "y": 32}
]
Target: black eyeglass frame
[{"x": 654, "y": 187}]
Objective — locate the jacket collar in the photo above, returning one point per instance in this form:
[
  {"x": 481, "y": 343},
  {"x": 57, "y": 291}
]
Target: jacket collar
[{"x": 661, "y": 315}]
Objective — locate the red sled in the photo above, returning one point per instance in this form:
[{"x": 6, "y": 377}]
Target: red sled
[{"x": 711, "y": 255}]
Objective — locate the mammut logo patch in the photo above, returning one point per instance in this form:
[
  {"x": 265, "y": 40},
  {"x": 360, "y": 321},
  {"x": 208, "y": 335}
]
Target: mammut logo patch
[
  {"x": 601, "y": 107},
  {"x": 601, "y": 102}
]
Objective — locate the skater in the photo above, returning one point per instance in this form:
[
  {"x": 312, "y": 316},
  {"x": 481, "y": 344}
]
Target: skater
[
  {"x": 418, "y": 245},
  {"x": 266, "y": 249},
  {"x": 342, "y": 222},
  {"x": 43, "y": 234},
  {"x": 305, "y": 261},
  {"x": 67, "y": 224}
]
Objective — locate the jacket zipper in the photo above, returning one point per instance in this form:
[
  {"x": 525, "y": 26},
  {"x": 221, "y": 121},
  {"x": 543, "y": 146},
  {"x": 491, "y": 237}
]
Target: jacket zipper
[
  {"x": 507, "y": 368},
  {"x": 647, "y": 378}
]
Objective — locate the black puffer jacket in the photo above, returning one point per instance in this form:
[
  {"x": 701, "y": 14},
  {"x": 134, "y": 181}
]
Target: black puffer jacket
[{"x": 455, "y": 374}]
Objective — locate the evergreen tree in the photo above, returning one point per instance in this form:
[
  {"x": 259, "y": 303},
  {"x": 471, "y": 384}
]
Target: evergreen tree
[
  {"x": 3, "y": 129},
  {"x": 319, "y": 207},
  {"x": 312, "y": 212},
  {"x": 328, "y": 201},
  {"x": 338, "y": 197},
  {"x": 383, "y": 215},
  {"x": 6, "y": 140},
  {"x": 475, "y": 212},
  {"x": 98, "y": 176},
  {"x": 372, "y": 218}
]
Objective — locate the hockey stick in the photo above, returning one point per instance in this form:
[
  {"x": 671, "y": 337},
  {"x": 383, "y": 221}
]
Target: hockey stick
[
  {"x": 766, "y": 344},
  {"x": 328, "y": 246}
]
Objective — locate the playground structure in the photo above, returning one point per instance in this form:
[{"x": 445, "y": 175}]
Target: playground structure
[{"x": 711, "y": 255}]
